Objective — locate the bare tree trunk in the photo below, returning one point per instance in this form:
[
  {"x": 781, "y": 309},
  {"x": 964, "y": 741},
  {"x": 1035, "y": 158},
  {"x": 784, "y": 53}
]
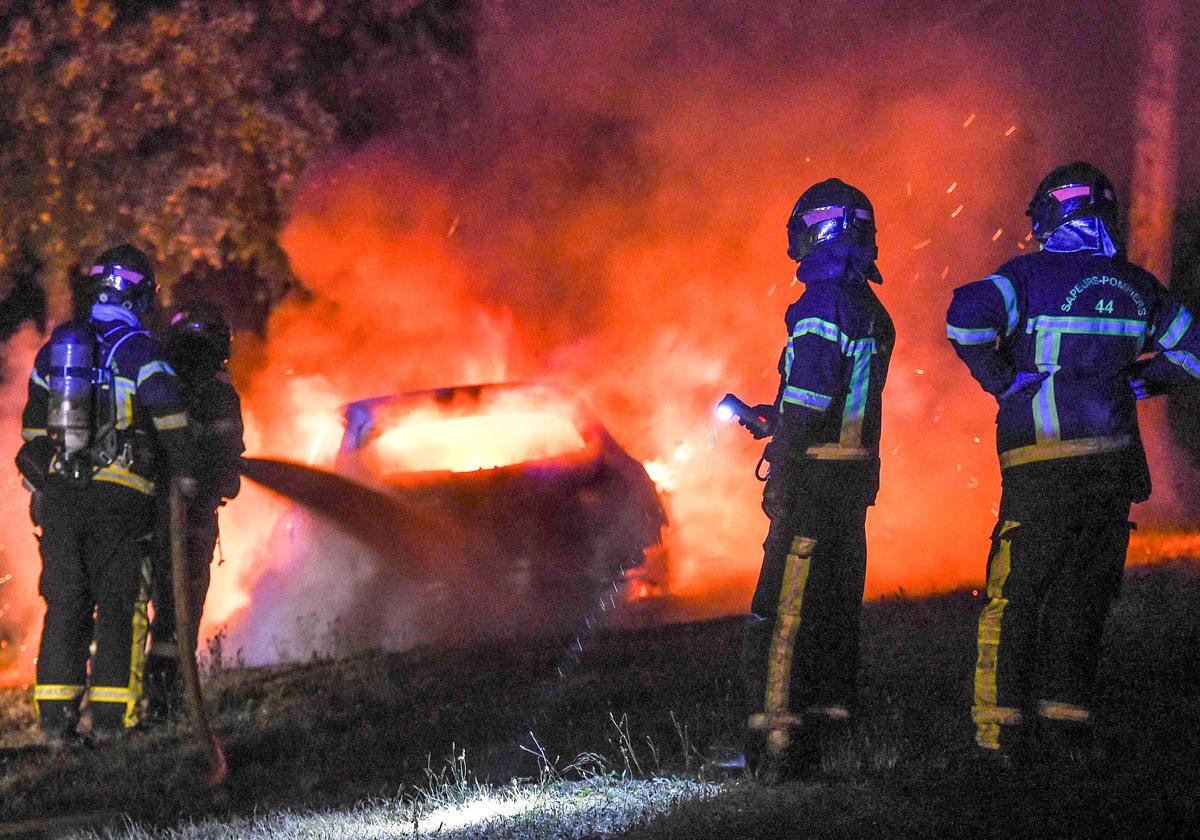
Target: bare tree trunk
[
  {"x": 1151, "y": 219},
  {"x": 1152, "y": 210}
]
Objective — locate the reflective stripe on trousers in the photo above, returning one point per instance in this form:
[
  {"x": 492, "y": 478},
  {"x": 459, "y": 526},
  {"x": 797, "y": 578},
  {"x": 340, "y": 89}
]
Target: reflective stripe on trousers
[
  {"x": 986, "y": 714},
  {"x": 776, "y": 718},
  {"x": 130, "y": 695}
]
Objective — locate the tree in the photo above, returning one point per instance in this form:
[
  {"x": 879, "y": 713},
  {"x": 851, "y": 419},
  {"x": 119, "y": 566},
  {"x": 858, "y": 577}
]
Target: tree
[{"x": 165, "y": 129}]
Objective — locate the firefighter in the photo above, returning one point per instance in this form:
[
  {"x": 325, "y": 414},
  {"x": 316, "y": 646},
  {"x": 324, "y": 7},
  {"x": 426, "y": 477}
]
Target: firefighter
[
  {"x": 800, "y": 654},
  {"x": 1056, "y": 338},
  {"x": 198, "y": 345},
  {"x": 104, "y": 417}
]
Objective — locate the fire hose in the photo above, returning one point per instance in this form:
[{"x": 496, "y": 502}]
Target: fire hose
[{"x": 186, "y": 639}]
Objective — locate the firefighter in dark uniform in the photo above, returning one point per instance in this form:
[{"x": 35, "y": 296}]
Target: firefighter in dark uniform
[
  {"x": 800, "y": 655},
  {"x": 105, "y": 417},
  {"x": 1056, "y": 336},
  {"x": 198, "y": 344}
]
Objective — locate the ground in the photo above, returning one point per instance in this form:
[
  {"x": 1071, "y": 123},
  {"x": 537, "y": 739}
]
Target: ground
[{"x": 387, "y": 741}]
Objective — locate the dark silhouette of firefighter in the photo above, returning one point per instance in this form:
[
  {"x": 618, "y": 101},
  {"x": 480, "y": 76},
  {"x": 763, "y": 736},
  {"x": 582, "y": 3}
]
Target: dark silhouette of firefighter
[
  {"x": 198, "y": 345},
  {"x": 1067, "y": 340},
  {"x": 801, "y": 643},
  {"x": 104, "y": 420}
]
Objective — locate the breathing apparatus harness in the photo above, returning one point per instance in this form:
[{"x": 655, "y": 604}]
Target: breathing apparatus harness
[{"x": 82, "y": 413}]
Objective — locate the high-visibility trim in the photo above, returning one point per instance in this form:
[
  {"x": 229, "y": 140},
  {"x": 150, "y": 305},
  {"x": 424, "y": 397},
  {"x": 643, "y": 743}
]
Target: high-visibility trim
[
  {"x": 1005, "y": 287},
  {"x": 825, "y": 329},
  {"x": 986, "y": 713},
  {"x": 1082, "y": 325},
  {"x": 1185, "y": 360},
  {"x": 806, "y": 398},
  {"x": 38, "y": 380},
  {"x": 43, "y": 691},
  {"x": 837, "y": 452},
  {"x": 1045, "y": 406},
  {"x": 961, "y": 335},
  {"x": 775, "y": 721},
  {"x": 1049, "y": 450},
  {"x": 1175, "y": 332},
  {"x": 783, "y": 638},
  {"x": 1055, "y": 710},
  {"x": 110, "y": 694},
  {"x": 29, "y": 433},
  {"x": 124, "y": 390},
  {"x": 171, "y": 421},
  {"x": 151, "y": 368},
  {"x": 855, "y": 409},
  {"x": 137, "y": 653},
  {"x": 125, "y": 477}
]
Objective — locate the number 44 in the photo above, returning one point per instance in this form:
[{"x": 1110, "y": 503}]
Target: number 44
[{"x": 1105, "y": 306}]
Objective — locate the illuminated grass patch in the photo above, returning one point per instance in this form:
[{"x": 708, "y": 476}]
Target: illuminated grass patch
[{"x": 596, "y": 807}]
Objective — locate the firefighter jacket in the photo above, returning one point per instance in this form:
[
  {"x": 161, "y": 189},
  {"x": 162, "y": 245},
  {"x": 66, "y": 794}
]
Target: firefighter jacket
[
  {"x": 215, "y": 418},
  {"x": 149, "y": 420},
  {"x": 1083, "y": 320},
  {"x": 832, "y": 374}
]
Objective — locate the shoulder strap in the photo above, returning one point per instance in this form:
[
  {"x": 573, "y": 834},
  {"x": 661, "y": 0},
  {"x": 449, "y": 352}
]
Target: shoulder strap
[{"x": 114, "y": 345}]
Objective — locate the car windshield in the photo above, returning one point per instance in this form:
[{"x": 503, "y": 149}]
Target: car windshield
[{"x": 425, "y": 442}]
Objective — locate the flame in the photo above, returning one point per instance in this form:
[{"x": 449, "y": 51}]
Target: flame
[
  {"x": 429, "y": 443},
  {"x": 616, "y": 222}
]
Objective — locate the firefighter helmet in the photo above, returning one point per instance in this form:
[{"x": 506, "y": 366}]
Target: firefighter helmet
[
  {"x": 1074, "y": 191},
  {"x": 830, "y": 210},
  {"x": 199, "y": 333},
  {"x": 123, "y": 276}
]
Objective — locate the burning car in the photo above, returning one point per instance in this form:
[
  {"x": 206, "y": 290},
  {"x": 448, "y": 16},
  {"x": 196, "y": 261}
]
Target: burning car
[{"x": 542, "y": 488}]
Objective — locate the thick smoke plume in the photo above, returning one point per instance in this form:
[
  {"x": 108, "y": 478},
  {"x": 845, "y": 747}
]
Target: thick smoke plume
[
  {"x": 614, "y": 219},
  {"x": 617, "y": 223}
]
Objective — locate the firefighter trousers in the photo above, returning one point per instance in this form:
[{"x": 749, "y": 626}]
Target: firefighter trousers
[
  {"x": 1052, "y": 576},
  {"x": 95, "y": 547},
  {"x": 800, "y": 647},
  {"x": 162, "y": 668}
]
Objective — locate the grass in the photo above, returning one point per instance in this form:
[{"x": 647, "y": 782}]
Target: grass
[{"x": 342, "y": 747}]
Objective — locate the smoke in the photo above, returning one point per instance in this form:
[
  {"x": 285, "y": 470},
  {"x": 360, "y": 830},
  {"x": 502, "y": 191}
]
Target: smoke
[
  {"x": 612, "y": 217},
  {"x": 617, "y": 223}
]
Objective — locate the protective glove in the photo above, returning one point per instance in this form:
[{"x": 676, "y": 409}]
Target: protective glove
[
  {"x": 770, "y": 412},
  {"x": 778, "y": 496},
  {"x": 1025, "y": 383}
]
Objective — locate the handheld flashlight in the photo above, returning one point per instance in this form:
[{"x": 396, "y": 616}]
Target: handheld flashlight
[{"x": 730, "y": 407}]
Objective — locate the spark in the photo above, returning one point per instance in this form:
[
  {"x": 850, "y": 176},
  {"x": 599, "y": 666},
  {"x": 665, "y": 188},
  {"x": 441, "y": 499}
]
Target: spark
[
  {"x": 996, "y": 235},
  {"x": 945, "y": 272},
  {"x": 453, "y": 227},
  {"x": 1011, "y": 130},
  {"x": 922, "y": 244},
  {"x": 957, "y": 210},
  {"x": 970, "y": 120},
  {"x": 953, "y": 186},
  {"x": 920, "y": 371}
]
